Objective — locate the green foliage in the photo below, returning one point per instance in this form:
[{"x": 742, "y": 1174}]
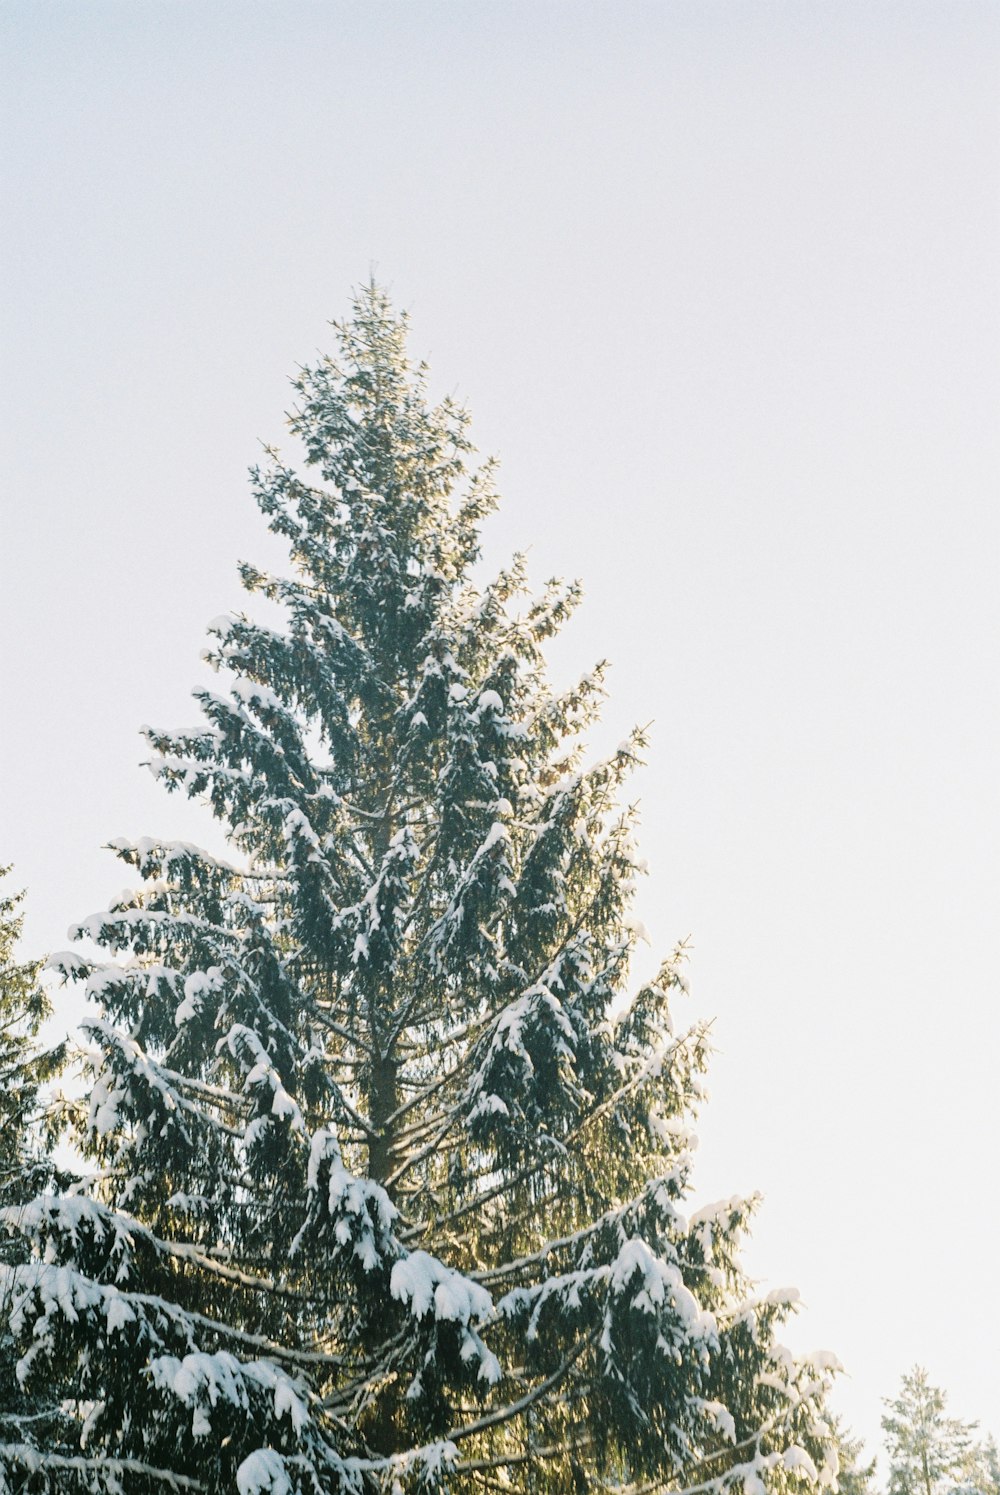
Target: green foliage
[
  {"x": 984, "y": 1472},
  {"x": 855, "y": 1475},
  {"x": 928, "y": 1451},
  {"x": 391, "y": 1149},
  {"x": 24, "y": 1168},
  {"x": 23, "y": 1065}
]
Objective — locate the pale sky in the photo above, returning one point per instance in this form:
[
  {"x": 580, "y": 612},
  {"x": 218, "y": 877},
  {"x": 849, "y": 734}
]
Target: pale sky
[{"x": 719, "y": 283}]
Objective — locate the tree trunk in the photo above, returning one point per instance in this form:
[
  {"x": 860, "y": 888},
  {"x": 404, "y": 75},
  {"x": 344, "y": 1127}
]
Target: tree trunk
[{"x": 384, "y": 1101}]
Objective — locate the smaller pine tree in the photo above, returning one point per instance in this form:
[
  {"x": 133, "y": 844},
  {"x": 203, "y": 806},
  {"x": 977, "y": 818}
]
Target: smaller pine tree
[
  {"x": 986, "y": 1468},
  {"x": 24, "y": 1170},
  {"x": 24, "y": 1064},
  {"x": 981, "y": 1473},
  {"x": 929, "y": 1453},
  {"x": 855, "y": 1474}
]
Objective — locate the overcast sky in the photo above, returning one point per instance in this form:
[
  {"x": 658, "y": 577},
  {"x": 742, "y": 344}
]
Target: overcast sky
[{"x": 719, "y": 283}]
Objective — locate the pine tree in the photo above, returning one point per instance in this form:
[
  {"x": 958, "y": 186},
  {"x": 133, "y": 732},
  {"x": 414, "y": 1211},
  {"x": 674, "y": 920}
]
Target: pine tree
[
  {"x": 979, "y": 1472},
  {"x": 24, "y": 1169},
  {"x": 928, "y": 1452},
  {"x": 390, "y": 1168},
  {"x": 24, "y": 1065},
  {"x": 855, "y": 1473},
  {"x": 984, "y": 1473}
]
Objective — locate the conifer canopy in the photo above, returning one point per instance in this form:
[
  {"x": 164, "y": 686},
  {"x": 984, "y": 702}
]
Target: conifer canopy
[
  {"x": 25, "y": 1066},
  {"x": 389, "y": 1153}
]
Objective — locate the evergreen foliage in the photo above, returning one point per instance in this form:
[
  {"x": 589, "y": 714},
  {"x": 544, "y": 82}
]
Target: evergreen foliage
[
  {"x": 24, "y": 1066},
  {"x": 928, "y": 1451},
  {"x": 390, "y": 1157},
  {"x": 984, "y": 1469},
  {"x": 24, "y": 1170},
  {"x": 855, "y": 1473}
]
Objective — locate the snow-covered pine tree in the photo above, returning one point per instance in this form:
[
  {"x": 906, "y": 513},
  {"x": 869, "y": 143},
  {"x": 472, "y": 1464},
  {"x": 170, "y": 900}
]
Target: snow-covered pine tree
[
  {"x": 929, "y": 1452},
  {"x": 983, "y": 1475},
  {"x": 25, "y": 1065},
  {"x": 855, "y": 1472},
  {"x": 391, "y": 1176}
]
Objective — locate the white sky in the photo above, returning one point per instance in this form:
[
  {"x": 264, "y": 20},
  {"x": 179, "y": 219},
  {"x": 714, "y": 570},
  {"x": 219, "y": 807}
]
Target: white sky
[{"x": 719, "y": 282}]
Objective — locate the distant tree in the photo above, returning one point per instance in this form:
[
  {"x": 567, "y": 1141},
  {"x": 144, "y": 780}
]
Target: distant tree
[
  {"x": 24, "y": 1065},
  {"x": 391, "y": 1152},
  {"x": 929, "y": 1453},
  {"x": 24, "y": 1168},
  {"x": 982, "y": 1472},
  {"x": 855, "y": 1475},
  {"x": 990, "y": 1460}
]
